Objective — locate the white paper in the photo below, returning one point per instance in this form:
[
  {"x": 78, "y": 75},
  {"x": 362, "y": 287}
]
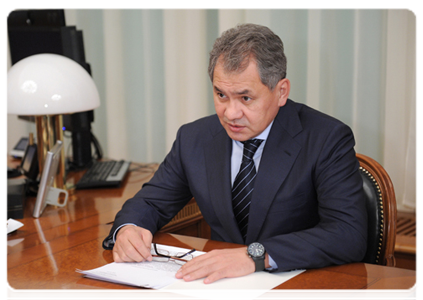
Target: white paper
[
  {"x": 161, "y": 275},
  {"x": 13, "y": 225},
  {"x": 246, "y": 287},
  {"x": 155, "y": 275}
]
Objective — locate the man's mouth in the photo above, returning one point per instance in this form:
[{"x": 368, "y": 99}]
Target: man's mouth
[{"x": 235, "y": 127}]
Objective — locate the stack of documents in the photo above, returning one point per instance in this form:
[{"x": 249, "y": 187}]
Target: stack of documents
[{"x": 161, "y": 275}]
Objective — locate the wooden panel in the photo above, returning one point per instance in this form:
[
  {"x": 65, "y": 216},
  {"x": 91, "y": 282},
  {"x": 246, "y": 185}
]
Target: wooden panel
[
  {"x": 405, "y": 245},
  {"x": 189, "y": 221}
]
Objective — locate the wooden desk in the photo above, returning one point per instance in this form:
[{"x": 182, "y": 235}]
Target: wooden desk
[{"x": 46, "y": 251}]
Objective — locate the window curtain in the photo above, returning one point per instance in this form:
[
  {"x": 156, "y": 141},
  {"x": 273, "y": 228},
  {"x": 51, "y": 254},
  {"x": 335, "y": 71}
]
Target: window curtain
[{"x": 150, "y": 67}]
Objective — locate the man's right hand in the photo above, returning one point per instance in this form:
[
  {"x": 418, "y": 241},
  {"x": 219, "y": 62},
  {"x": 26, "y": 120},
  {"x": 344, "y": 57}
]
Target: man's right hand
[{"x": 132, "y": 244}]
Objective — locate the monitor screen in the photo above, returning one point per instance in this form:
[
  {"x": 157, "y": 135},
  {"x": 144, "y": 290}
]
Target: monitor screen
[{"x": 34, "y": 31}]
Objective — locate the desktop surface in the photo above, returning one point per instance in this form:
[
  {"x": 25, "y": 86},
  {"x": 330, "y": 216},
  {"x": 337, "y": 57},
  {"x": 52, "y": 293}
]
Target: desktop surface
[{"x": 45, "y": 252}]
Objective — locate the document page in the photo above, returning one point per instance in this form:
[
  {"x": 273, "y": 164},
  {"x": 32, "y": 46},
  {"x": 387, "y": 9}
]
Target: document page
[
  {"x": 161, "y": 275},
  {"x": 246, "y": 287},
  {"x": 155, "y": 275}
]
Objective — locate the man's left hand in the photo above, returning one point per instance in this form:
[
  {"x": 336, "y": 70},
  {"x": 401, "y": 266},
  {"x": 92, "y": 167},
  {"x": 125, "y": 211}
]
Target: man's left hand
[{"x": 217, "y": 264}]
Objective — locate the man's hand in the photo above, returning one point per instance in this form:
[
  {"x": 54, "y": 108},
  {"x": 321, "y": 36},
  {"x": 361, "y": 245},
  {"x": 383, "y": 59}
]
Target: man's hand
[
  {"x": 133, "y": 244},
  {"x": 218, "y": 264}
]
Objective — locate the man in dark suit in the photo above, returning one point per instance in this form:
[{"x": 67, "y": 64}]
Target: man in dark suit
[{"x": 302, "y": 202}]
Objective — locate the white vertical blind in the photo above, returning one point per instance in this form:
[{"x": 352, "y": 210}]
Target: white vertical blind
[
  {"x": 114, "y": 84},
  {"x": 185, "y": 68},
  {"x": 399, "y": 155},
  {"x": 313, "y": 58}
]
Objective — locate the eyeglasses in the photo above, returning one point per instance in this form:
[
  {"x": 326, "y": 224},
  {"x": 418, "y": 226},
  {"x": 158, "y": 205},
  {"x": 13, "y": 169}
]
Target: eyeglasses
[{"x": 180, "y": 258}]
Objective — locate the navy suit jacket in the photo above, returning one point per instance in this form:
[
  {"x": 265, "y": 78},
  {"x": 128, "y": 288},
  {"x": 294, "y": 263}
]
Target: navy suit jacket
[{"x": 308, "y": 207}]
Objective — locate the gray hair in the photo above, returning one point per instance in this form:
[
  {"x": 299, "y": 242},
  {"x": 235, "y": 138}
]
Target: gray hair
[{"x": 237, "y": 45}]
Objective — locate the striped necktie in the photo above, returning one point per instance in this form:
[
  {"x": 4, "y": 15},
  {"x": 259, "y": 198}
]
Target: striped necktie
[{"x": 244, "y": 185}]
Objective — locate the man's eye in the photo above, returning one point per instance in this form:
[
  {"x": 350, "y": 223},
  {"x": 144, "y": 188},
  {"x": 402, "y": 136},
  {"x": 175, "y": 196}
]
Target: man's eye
[
  {"x": 245, "y": 98},
  {"x": 220, "y": 95}
]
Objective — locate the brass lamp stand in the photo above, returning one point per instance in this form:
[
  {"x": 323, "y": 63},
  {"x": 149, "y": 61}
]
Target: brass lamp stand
[{"x": 49, "y": 131}]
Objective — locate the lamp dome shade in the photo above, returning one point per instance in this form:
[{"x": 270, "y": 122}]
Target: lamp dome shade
[{"x": 49, "y": 84}]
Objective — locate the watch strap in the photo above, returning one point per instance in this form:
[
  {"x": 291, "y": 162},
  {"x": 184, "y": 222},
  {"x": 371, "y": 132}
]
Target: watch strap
[{"x": 259, "y": 261}]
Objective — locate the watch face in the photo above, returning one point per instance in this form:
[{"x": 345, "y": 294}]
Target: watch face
[{"x": 256, "y": 250}]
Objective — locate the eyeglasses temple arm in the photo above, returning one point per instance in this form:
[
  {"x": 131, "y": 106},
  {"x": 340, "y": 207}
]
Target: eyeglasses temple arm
[{"x": 189, "y": 252}]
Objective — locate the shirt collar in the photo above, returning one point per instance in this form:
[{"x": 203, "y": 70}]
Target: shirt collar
[
  {"x": 262, "y": 136},
  {"x": 265, "y": 133}
]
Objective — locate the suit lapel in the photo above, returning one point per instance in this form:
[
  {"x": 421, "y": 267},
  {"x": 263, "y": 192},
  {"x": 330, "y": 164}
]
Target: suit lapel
[
  {"x": 279, "y": 155},
  {"x": 218, "y": 165}
]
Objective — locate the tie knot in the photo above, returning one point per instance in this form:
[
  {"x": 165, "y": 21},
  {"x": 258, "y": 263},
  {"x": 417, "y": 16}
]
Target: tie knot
[{"x": 250, "y": 147}]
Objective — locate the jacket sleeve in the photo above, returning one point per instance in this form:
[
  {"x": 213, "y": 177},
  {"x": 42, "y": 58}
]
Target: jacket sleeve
[{"x": 159, "y": 200}]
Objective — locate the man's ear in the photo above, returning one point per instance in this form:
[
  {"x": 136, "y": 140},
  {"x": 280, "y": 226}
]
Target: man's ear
[{"x": 283, "y": 88}]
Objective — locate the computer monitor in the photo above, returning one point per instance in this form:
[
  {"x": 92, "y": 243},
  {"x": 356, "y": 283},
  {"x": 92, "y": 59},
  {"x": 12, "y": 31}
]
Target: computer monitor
[
  {"x": 38, "y": 28},
  {"x": 47, "y": 193}
]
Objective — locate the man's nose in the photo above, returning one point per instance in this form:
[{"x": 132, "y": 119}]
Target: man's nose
[{"x": 233, "y": 110}]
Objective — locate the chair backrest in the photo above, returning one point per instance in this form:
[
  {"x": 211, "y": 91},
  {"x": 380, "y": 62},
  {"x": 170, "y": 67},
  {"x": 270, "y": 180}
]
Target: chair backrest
[{"x": 382, "y": 212}]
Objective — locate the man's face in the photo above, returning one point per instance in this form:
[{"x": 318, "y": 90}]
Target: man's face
[{"x": 244, "y": 105}]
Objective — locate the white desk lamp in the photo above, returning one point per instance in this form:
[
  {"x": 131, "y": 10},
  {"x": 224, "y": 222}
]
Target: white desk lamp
[{"x": 47, "y": 86}]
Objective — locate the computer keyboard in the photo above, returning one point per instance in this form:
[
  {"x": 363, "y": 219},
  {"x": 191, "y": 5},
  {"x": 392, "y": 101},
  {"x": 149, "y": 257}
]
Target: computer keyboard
[{"x": 104, "y": 174}]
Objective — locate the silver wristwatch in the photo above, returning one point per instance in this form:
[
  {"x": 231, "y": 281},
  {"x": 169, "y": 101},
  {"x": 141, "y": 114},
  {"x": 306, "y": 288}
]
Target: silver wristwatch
[{"x": 257, "y": 252}]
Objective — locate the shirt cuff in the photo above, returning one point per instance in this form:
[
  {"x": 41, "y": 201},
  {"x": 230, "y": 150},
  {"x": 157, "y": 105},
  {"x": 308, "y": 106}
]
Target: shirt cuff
[
  {"x": 117, "y": 229},
  {"x": 272, "y": 263}
]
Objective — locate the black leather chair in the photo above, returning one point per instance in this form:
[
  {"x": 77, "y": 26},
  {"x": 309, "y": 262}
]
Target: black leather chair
[{"x": 382, "y": 212}]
